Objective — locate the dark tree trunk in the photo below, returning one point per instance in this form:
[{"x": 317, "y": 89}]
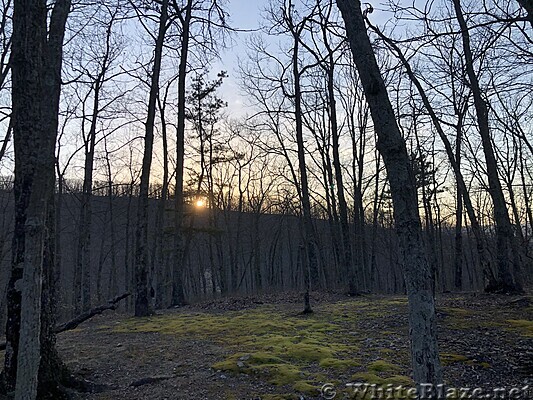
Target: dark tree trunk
[
  {"x": 161, "y": 261},
  {"x": 376, "y": 203},
  {"x": 458, "y": 261},
  {"x": 347, "y": 257},
  {"x": 508, "y": 255},
  {"x": 528, "y": 6},
  {"x": 484, "y": 257},
  {"x": 178, "y": 292},
  {"x": 311, "y": 266},
  {"x": 113, "y": 286},
  {"x": 424, "y": 348},
  {"x": 143, "y": 306},
  {"x": 36, "y": 81}
]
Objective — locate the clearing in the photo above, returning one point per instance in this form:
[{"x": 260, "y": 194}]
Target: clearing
[{"x": 262, "y": 348}]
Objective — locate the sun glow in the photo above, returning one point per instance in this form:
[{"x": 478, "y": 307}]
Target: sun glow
[{"x": 200, "y": 203}]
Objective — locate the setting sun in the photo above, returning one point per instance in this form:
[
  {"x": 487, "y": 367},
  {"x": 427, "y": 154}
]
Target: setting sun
[{"x": 200, "y": 203}]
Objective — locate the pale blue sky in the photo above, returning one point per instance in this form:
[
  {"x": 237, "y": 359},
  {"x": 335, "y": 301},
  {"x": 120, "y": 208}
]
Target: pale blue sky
[{"x": 244, "y": 15}]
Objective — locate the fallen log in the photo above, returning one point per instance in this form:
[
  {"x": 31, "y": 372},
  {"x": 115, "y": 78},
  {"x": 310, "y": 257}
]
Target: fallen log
[{"x": 73, "y": 323}]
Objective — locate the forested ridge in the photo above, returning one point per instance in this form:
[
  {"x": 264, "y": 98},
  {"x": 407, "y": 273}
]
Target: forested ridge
[{"x": 348, "y": 149}]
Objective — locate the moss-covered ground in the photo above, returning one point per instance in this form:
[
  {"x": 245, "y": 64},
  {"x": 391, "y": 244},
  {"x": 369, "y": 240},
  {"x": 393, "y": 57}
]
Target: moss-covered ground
[{"x": 271, "y": 351}]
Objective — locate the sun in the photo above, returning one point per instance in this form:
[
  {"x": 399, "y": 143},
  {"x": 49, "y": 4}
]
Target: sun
[{"x": 200, "y": 203}]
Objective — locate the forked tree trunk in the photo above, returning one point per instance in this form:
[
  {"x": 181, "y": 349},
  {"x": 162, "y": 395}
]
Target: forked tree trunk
[{"x": 424, "y": 348}]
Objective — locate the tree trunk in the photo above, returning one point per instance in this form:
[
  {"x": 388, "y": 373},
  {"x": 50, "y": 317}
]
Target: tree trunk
[
  {"x": 528, "y": 6},
  {"x": 143, "y": 306},
  {"x": 311, "y": 266},
  {"x": 347, "y": 257},
  {"x": 484, "y": 257},
  {"x": 424, "y": 348},
  {"x": 159, "y": 241},
  {"x": 508, "y": 257},
  {"x": 458, "y": 255},
  {"x": 178, "y": 293},
  {"x": 113, "y": 286},
  {"x": 36, "y": 80}
]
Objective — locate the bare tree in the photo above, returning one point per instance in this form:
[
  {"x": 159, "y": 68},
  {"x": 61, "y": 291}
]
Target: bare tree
[
  {"x": 36, "y": 64},
  {"x": 143, "y": 305},
  {"x": 509, "y": 263},
  {"x": 422, "y": 319},
  {"x": 295, "y": 29},
  {"x": 178, "y": 295},
  {"x": 352, "y": 266},
  {"x": 97, "y": 79}
]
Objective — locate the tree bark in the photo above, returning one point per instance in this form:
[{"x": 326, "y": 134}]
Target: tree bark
[
  {"x": 160, "y": 259},
  {"x": 143, "y": 305},
  {"x": 422, "y": 319},
  {"x": 458, "y": 255},
  {"x": 36, "y": 57},
  {"x": 310, "y": 266},
  {"x": 178, "y": 293}
]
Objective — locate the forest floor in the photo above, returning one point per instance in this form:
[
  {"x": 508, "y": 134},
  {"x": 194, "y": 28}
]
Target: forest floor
[{"x": 262, "y": 348}]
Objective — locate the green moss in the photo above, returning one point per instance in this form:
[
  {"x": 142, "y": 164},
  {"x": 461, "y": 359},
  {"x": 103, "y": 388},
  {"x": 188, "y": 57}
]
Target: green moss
[
  {"x": 522, "y": 326},
  {"x": 260, "y": 358},
  {"x": 448, "y": 358},
  {"x": 338, "y": 364},
  {"x": 455, "y": 311},
  {"x": 399, "y": 380},
  {"x": 229, "y": 365},
  {"x": 282, "y": 348},
  {"x": 307, "y": 351},
  {"x": 367, "y": 377},
  {"x": 278, "y": 374},
  {"x": 382, "y": 366},
  {"x": 306, "y": 387},
  {"x": 279, "y": 397},
  {"x": 400, "y": 301},
  {"x": 475, "y": 363},
  {"x": 263, "y": 365}
]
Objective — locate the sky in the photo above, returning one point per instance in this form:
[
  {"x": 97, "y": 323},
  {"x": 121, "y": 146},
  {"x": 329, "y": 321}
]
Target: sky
[{"x": 244, "y": 15}]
